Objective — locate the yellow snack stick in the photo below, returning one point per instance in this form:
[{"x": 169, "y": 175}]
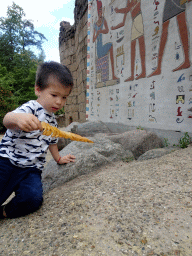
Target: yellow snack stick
[{"x": 55, "y": 132}]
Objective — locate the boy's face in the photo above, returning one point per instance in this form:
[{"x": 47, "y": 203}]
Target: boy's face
[{"x": 53, "y": 97}]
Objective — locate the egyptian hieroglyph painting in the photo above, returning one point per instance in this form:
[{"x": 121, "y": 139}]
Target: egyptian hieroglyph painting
[{"x": 139, "y": 63}]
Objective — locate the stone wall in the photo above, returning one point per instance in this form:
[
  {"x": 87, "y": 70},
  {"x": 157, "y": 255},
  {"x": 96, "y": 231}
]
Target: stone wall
[
  {"x": 131, "y": 63},
  {"x": 73, "y": 54},
  {"x": 139, "y": 63}
]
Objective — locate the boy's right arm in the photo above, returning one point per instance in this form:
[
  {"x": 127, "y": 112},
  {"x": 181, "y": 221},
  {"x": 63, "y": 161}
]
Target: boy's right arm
[{"x": 23, "y": 121}]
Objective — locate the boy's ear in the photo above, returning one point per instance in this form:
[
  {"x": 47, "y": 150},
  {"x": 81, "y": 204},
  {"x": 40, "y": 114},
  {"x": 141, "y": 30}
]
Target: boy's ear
[{"x": 37, "y": 90}]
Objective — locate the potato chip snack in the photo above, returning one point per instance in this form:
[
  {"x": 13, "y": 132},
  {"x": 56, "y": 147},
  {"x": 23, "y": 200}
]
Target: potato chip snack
[{"x": 55, "y": 132}]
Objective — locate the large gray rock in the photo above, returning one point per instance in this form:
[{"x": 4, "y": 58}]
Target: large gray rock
[
  {"x": 155, "y": 153},
  {"x": 107, "y": 147},
  {"x": 88, "y": 158},
  {"x": 137, "y": 141},
  {"x": 89, "y": 128},
  {"x": 84, "y": 129},
  {"x": 70, "y": 128}
]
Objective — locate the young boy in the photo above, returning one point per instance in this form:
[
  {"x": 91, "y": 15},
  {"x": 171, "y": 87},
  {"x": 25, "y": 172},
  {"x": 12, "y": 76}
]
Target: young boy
[{"x": 23, "y": 147}]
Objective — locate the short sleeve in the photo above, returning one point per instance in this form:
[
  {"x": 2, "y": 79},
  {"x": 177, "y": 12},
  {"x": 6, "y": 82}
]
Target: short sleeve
[{"x": 27, "y": 107}]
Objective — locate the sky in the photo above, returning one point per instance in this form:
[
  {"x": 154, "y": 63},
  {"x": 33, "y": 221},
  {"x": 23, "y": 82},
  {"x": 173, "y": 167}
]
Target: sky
[{"x": 46, "y": 17}]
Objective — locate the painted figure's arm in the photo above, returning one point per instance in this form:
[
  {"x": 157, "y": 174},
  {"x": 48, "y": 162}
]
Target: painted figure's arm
[
  {"x": 106, "y": 29},
  {"x": 120, "y": 24},
  {"x": 103, "y": 31},
  {"x": 95, "y": 35},
  {"x": 123, "y": 11}
]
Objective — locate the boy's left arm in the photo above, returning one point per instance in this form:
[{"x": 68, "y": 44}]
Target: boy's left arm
[{"x": 60, "y": 160}]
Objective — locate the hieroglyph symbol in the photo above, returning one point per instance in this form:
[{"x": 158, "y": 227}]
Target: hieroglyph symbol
[{"x": 180, "y": 98}]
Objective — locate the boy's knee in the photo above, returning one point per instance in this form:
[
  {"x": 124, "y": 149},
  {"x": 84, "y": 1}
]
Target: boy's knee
[
  {"x": 22, "y": 206},
  {"x": 34, "y": 201}
]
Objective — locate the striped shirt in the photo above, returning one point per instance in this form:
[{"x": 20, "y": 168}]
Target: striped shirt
[{"x": 28, "y": 149}]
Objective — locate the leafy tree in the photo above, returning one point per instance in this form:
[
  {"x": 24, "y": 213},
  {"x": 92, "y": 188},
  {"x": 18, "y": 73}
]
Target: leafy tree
[
  {"x": 29, "y": 36},
  {"x": 18, "y": 64},
  {"x": 16, "y": 35},
  {"x": 41, "y": 56}
]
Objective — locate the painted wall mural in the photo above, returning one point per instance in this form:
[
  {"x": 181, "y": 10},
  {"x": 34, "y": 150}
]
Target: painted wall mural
[{"x": 139, "y": 68}]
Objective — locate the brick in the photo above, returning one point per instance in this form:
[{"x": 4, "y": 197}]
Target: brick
[
  {"x": 71, "y": 100},
  {"x": 81, "y": 88},
  {"x": 73, "y": 108},
  {"x": 71, "y": 50},
  {"x": 80, "y": 78},
  {"x": 81, "y": 98},
  {"x": 85, "y": 63},
  {"x": 73, "y": 58},
  {"x": 74, "y": 83},
  {"x": 62, "y": 57},
  {"x": 82, "y": 107},
  {"x": 75, "y": 116},
  {"x": 73, "y": 41},
  {"x": 82, "y": 116},
  {"x": 84, "y": 72},
  {"x": 67, "y": 61},
  {"x": 73, "y": 67},
  {"x": 74, "y": 74}
]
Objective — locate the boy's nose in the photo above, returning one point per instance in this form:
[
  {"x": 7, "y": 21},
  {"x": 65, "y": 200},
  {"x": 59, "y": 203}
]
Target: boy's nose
[{"x": 58, "y": 101}]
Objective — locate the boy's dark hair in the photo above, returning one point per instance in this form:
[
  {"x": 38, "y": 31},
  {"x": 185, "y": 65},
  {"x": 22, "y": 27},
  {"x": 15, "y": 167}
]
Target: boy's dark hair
[{"x": 55, "y": 70}]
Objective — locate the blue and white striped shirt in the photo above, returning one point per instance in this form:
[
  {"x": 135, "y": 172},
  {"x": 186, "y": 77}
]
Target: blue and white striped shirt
[{"x": 28, "y": 149}]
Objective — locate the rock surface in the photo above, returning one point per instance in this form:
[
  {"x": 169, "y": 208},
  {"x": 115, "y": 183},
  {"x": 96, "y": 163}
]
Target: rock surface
[
  {"x": 90, "y": 129},
  {"x": 137, "y": 141},
  {"x": 88, "y": 158},
  {"x": 107, "y": 147},
  {"x": 155, "y": 153}
]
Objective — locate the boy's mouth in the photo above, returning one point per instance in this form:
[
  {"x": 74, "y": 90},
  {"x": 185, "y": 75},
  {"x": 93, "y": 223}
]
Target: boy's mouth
[{"x": 54, "y": 109}]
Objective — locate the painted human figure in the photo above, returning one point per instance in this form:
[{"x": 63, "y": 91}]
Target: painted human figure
[
  {"x": 137, "y": 32},
  {"x": 101, "y": 27},
  {"x": 171, "y": 9}
]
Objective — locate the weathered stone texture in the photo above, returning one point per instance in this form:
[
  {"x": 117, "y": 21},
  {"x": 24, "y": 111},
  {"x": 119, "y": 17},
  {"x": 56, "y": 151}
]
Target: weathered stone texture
[{"x": 73, "y": 54}]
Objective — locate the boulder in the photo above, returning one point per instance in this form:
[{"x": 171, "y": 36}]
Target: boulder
[
  {"x": 70, "y": 128},
  {"x": 107, "y": 147},
  {"x": 89, "y": 128},
  {"x": 84, "y": 129},
  {"x": 155, "y": 153},
  {"x": 137, "y": 141},
  {"x": 88, "y": 158}
]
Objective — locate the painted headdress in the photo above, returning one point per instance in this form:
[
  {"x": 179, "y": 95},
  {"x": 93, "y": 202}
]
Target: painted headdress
[{"x": 99, "y": 5}]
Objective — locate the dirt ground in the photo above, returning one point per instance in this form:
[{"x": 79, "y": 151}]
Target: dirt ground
[{"x": 137, "y": 208}]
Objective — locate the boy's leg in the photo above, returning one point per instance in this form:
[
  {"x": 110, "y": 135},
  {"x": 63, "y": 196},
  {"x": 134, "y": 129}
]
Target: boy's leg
[
  {"x": 28, "y": 195},
  {"x": 6, "y": 172}
]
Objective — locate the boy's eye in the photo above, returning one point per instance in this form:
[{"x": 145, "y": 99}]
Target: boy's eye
[{"x": 53, "y": 95}]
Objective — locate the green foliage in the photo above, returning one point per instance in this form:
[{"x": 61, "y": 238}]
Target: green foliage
[
  {"x": 6, "y": 104},
  {"x": 60, "y": 112},
  {"x": 18, "y": 63},
  {"x": 128, "y": 159},
  {"x": 166, "y": 142},
  {"x": 184, "y": 141},
  {"x": 140, "y": 128},
  {"x": 17, "y": 35}
]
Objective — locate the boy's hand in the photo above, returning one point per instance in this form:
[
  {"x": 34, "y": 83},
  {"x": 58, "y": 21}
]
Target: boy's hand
[
  {"x": 28, "y": 122},
  {"x": 67, "y": 159}
]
